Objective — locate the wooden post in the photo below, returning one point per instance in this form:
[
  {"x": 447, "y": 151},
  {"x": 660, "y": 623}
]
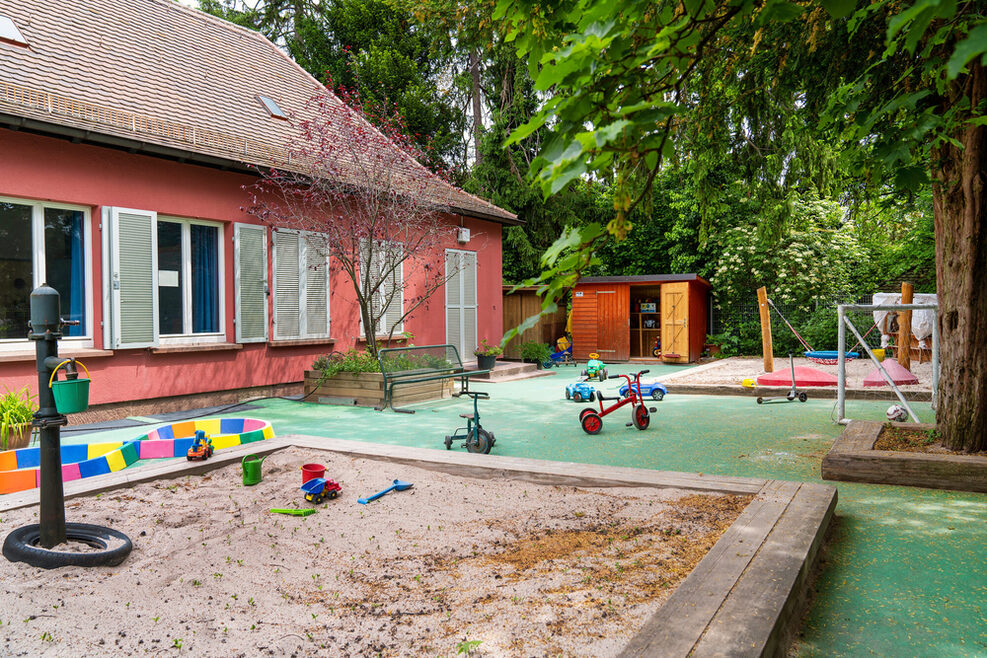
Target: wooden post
[
  {"x": 762, "y": 305},
  {"x": 905, "y": 328}
]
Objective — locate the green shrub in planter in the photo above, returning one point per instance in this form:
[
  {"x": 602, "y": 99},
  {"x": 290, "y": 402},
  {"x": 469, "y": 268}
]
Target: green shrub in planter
[
  {"x": 16, "y": 413},
  {"x": 533, "y": 352}
]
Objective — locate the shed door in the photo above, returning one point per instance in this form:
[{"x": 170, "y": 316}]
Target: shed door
[
  {"x": 613, "y": 324},
  {"x": 583, "y": 323},
  {"x": 675, "y": 322}
]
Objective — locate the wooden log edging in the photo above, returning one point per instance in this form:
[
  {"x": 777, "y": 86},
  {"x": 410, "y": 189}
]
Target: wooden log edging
[
  {"x": 742, "y": 598},
  {"x": 853, "y": 459},
  {"x": 814, "y": 392}
]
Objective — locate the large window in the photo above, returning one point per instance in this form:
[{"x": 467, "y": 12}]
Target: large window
[
  {"x": 188, "y": 278},
  {"x": 42, "y": 243}
]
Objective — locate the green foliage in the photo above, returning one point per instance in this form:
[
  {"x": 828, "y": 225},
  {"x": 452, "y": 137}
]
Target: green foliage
[
  {"x": 486, "y": 349},
  {"x": 16, "y": 409},
  {"x": 535, "y": 352},
  {"x": 352, "y": 360}
]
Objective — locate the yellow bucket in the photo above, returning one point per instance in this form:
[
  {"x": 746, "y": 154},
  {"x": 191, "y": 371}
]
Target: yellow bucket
[{"x": 879, "y": 354}]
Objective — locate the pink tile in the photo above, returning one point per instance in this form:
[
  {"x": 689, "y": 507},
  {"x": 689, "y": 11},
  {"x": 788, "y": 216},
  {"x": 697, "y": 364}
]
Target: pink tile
[
  {"x": 156, "y": 449},
  {"x": 69, "y": 472}
]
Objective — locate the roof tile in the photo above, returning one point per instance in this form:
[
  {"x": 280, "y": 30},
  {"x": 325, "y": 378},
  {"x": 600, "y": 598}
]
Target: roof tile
[{"x": 178, "y": 72}]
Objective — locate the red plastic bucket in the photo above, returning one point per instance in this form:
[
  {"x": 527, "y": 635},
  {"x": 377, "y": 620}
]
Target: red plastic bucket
[{"x": 311, "y": 471}]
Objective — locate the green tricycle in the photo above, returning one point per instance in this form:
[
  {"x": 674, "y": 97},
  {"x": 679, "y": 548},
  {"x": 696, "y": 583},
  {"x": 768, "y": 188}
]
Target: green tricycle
[
  {"x": 475, "y": 437},
  {"x": 595, "y": 368}
]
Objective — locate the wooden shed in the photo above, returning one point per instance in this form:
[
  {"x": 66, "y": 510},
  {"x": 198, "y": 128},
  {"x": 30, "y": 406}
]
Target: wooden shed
[
  {"x": 521, "y": 305},
  {"x": 619, "y": 317}
]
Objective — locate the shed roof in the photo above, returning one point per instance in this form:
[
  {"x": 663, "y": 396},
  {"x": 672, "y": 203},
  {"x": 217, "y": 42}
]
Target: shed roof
[
  {"x": 159, "y": 77},
  {"x": 645, "y": 278}
]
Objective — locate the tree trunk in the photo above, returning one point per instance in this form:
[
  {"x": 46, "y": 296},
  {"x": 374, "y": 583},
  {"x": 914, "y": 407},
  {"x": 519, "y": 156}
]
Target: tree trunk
[
  {"x": 961, "y": 268},
  {"x": 477, "y": 105}
]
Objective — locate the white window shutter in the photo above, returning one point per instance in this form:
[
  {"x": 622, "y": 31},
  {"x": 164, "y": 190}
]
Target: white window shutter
[
  {"x": 133, "y": 236},
  {"x": 454, "y": 322},
  {"x": 250, "y": 282},
  {"x": 316, "y": 288},
  {"x": 469, "y": 301},
  {"x": 394, "y": 290},
  {"x": 286, "y": 285}
]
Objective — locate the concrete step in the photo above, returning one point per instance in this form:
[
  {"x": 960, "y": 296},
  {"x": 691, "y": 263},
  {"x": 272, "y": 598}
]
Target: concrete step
[{"x": 508, "y": 369}]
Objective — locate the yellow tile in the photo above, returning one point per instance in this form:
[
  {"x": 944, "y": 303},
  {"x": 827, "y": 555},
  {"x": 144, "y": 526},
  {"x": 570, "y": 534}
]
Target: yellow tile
[
  {"x": 98, "y": 449},
  {"x": 116, "y": 461},
  {"x": 210, "y": 427},
  {"x": 225, "y": 441},
  {"x": 268, "y": 432}
]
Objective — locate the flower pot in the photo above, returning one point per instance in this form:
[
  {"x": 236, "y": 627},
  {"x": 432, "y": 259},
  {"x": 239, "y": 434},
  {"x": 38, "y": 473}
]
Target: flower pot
[
  {"x": 18, "y": 436},
  {"x": 486, "y": 361}
]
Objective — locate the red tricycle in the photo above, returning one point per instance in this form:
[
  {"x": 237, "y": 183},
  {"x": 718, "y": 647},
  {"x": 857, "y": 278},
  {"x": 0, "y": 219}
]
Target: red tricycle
[{"x": 592, "y": 420}]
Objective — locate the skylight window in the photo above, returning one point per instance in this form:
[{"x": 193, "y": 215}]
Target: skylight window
[
  {"x": 271, "y": 107},
  {"x": 10, "y": 33}
]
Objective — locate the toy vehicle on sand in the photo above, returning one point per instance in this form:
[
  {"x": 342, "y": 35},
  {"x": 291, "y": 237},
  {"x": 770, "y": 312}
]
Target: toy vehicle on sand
[
  {"x": 318, "y": 489},
  {"x": 580, "y": 391},
  {"x": 201, "y": 448},
  {"x": 654, "y": 389},
  {"x": 595, "y": 369}
]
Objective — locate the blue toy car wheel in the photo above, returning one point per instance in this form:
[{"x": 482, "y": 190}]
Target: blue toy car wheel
[{"x": 657, "y": 394}]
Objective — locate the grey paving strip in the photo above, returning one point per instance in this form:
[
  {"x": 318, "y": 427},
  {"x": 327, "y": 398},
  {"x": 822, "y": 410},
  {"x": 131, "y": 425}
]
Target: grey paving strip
[{"x": 740, "y": 598}]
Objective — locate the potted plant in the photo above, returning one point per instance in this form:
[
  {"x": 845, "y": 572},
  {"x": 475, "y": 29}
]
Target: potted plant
[
  {"x": 486, "y": 355},
  {"x": 16, "y": 413},
  {"x": 532, "y": 352}
]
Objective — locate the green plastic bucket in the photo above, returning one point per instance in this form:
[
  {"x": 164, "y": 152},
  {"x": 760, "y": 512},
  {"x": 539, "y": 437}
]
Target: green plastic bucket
[
  {"x": 71, "y": 395},
  {"x": 251, "y": 469}
]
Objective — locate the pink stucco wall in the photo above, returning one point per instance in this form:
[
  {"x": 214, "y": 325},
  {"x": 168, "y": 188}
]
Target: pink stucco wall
[{"x": 42, "y": 168}]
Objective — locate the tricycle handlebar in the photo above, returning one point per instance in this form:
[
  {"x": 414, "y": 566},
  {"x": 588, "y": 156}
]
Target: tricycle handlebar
[
  {"x": 615, "y": 376},
  {"x": 643, "y": 372}
]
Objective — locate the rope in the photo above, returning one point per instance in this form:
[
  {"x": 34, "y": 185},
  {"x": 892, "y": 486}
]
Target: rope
[{"x": 807, "y": 347}]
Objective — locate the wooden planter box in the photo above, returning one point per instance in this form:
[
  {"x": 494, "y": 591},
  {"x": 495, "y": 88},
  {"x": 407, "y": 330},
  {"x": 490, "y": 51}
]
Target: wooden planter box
[
  {"x": 853, "y": 459},
  {"x": 366, "y": 389}
]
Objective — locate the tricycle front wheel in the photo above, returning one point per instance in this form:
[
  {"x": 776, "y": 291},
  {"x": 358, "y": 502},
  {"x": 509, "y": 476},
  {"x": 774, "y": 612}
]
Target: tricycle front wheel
[
  {"x": 479, "y": 442},
  {"x": 641, "y": 417},
  {"x": 591, "y": 422}
]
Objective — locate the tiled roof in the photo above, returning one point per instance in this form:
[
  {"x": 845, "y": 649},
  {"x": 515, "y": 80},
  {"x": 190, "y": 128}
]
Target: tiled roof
[{"x": 160, "y": 73}]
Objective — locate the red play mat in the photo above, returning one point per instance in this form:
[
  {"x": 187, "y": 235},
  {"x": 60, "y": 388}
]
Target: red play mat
[
  {"x": 804, "y": 376},
  {"x": 900, "y": 375}
]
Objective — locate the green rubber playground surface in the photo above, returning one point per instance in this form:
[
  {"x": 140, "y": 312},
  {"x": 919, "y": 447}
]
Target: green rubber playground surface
[{"x": 905, "y": 574}]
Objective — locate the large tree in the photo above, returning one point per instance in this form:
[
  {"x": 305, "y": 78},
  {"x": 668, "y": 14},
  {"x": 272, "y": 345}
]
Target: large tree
[{"x": 882, "y": 96}]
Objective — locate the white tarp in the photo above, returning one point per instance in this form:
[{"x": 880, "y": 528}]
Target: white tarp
[{"x": 921, "y": 320}]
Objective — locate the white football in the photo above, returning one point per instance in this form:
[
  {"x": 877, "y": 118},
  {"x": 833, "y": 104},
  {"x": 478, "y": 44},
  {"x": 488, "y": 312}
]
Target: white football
[{"x": 897, "y": 414}]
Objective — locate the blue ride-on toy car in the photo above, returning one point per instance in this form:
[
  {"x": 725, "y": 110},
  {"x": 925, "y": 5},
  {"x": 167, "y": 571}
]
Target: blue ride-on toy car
[
  {"x": 654, "y": 389},
  {"x": 580, "y": 392}
]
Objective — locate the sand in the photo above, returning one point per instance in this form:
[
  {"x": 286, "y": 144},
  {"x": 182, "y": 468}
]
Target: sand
[
  {"x": 451, "y": 566},
  {"x": 734, "y": 370}
]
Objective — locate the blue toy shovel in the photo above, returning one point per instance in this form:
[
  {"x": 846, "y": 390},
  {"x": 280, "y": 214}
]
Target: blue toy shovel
[{"x": 398, "y": 485}]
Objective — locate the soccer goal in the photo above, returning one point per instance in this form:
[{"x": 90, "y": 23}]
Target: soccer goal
[{"x": 844, "y": 312}]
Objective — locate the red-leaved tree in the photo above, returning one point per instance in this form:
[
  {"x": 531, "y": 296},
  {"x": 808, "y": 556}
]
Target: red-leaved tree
[{"x": 368, "y": 203}]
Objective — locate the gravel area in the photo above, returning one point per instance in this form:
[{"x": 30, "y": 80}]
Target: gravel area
[
  {"x": 734, "y": 370},
  {"x": 451, "y": 566}
]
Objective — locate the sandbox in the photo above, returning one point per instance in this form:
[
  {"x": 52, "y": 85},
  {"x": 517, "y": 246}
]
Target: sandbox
[{"x": 505, "y": 557}]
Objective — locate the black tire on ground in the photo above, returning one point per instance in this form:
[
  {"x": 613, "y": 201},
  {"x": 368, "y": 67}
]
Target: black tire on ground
[
  {"x": 657, "y": 395},
  {"x": 591, "y": 422},
  {"x": 22, "y": 545},
  {"x": 760, "y": 400},
  {"x": 479, "y": 442},
  {"x": 333, "y": 495},
  {"x": 448, "y": 443},
  {"x": 585, "y": 411},
  {"x": 803, "y": 397},
  {"x": 577, "y": 396},
  {"x": 547, "y": 365},
  {"x": 641, "y": 417},
  {"x": 568, "y": 395}
]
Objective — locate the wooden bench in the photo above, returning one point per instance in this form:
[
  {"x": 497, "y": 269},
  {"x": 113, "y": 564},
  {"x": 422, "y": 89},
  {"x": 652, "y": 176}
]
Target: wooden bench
[{"x": 425, "y": 363}]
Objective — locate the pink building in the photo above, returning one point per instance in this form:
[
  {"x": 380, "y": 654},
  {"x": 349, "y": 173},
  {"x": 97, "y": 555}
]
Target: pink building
[{"x": 128, "y": 129}]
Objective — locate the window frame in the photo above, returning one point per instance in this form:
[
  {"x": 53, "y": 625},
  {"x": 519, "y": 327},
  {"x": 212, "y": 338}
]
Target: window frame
[
  {"x": 38, "y": 266},
  {"x": 302, "y": 286},
  {"x": 189, "y": 338}
]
